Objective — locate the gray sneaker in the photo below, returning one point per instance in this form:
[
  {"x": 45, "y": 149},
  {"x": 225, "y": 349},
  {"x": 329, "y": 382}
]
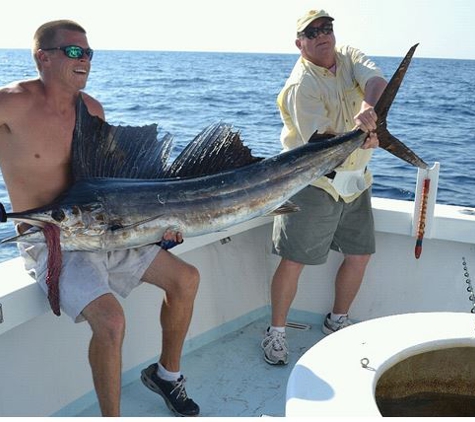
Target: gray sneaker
[
  {"x": 330, "y": 326},
  {"x": 276, "y": 350}
]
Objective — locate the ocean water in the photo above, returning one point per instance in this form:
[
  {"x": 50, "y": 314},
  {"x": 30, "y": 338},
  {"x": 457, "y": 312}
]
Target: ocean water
[{"x": 434, "y": 111}]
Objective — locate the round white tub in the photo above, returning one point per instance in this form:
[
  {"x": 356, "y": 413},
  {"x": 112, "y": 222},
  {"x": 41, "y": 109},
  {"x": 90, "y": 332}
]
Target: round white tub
[{"x": 402, "y": 365}]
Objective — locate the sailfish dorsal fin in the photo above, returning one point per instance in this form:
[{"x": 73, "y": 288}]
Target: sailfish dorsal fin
[
  {"x": 142, "y": 152},
  {"x": 102, "y": 150},
  {"x": 216, "y": 148}
]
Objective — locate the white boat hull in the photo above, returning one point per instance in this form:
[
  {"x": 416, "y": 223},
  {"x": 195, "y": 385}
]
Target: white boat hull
[{"x": 44, "y": 367}]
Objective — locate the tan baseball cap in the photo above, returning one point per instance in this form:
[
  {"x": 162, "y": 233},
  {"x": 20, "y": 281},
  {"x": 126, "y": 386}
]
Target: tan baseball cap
[{"x": 309, "y": 17}]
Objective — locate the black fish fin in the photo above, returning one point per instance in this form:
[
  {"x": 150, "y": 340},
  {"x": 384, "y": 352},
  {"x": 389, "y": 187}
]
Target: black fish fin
[
  {"x": 388, "y": 141},
  {"x": 384, "y": 103},
  {"x": 216, "y": 148},
  {"x": 319, "y": 137},
  {"x": 119, "y": 227},
  {"x": 394, "y": 146},
  {"x": 286, "y": 208},
  {"x": 102, "y": 150}
]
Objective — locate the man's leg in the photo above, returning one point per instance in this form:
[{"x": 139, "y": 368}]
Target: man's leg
[
  {"x": 284, "y": 289},
  {"x": 106, "y": 318},
  {"x": 180, "y": 282},
  {"x": 347, "y": 284},
  {"x": 348, "y": 281},
  {"x": 355, "y": 238}
]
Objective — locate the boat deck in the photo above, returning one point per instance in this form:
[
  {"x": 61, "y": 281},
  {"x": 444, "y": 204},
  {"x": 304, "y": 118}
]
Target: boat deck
[{"x": 227, "y": 377}]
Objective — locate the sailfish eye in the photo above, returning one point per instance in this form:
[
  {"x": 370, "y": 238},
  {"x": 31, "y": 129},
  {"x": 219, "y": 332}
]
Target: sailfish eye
[{"x": 58, "y": 215}]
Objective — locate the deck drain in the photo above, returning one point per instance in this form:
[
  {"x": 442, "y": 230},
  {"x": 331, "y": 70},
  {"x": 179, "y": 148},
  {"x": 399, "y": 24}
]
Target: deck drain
[{"x": 298, "y": 326}]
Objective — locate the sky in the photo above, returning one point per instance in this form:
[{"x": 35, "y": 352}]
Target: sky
[{"x": 443, "y": 28}]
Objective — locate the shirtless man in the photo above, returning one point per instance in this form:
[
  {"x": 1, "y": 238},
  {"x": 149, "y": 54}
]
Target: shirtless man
[{"x": 37, "y": 118}]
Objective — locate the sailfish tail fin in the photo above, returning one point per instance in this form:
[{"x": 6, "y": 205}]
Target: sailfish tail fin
[{"x": 386, "y": 140}]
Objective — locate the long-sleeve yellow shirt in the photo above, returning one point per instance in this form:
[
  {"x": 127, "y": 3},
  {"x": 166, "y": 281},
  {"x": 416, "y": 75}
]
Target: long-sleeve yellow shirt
[{"x": 313, "y": 98}]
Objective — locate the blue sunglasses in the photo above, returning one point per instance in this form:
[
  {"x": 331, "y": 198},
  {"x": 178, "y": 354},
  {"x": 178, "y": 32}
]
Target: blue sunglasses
[{"x": 73, "y": 51}]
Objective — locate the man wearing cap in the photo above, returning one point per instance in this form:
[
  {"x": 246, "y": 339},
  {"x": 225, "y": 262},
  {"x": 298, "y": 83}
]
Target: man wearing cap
[{"x": 330, "y": 90}]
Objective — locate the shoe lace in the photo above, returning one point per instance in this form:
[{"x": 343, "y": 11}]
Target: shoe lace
[
  {"x": 343, "y": 321},
  {"x": 180, "y": 386},
  {"x": 277, "y": 341}
]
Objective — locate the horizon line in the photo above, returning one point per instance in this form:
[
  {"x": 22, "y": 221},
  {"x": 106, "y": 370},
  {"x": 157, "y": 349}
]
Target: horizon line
[{"x": 243, "y": 52}]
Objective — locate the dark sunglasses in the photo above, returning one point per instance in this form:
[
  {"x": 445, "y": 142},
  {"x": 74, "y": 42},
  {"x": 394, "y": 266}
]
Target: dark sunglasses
[
  {"x": 73, "y": 51},
  {"x": 312, "y": 32}
]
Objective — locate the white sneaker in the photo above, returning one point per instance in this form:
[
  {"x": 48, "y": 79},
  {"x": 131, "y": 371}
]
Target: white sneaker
[
  {"x": 276, "y": 350},
  {"x": 330, "y": 326}
]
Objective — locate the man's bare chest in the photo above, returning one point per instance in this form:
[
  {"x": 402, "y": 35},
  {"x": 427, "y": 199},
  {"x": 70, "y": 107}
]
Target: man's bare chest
[{"x": 44, "y": 135}]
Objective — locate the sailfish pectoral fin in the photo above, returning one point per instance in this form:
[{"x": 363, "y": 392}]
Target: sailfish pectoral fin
[
  {"x": 119, "y": 227},
  {"x": 387, "y": 141},
  {"x": 286, "y": 208}
]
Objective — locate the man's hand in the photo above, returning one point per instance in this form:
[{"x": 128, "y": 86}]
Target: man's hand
[
  {"x": 371, "y": 141},
  {"x": 366, "y": 121},
  {"x": 170, "y": 239},
  {"x": 366, "y": 118}
]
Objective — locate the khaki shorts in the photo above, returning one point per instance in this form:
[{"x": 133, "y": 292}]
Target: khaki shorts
[
  {"x": 85, "y": 276},
  {"x": 306, "y": 236}
]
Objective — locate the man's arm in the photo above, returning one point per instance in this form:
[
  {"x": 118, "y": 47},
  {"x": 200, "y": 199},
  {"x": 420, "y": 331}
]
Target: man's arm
[
  {"x": 5, "y": 97},
  {"x": 374, "y": 89},
  {"x": 366, "y": 118},
  {"x": 94, "y": 107}
]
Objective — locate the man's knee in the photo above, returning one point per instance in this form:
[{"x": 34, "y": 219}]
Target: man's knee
[
  {"x": 186, "y": 282},
  {"x": 191, "y": 279},
  {"x": 360, "y": 261},
  {"x": 107, "y": 320},
  {"x": 112, "y": 328}
]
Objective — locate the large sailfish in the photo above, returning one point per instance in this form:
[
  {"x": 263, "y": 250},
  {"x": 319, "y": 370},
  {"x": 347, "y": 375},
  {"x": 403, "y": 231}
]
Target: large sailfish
[{"x": 126, "y": 194}]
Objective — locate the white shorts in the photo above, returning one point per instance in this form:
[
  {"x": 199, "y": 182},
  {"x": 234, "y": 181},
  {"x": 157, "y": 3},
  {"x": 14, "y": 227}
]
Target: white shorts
[{"x": 87, "y": 275}]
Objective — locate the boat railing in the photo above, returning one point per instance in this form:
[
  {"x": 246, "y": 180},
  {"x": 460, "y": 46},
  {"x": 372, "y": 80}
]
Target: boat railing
[{"x": 22, "y": 300}]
